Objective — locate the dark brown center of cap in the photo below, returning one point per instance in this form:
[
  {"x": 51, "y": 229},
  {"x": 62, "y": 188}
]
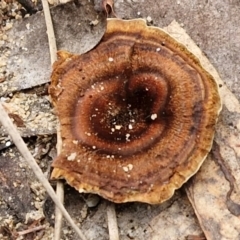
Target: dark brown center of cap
[{"x": 122, "y": 115}]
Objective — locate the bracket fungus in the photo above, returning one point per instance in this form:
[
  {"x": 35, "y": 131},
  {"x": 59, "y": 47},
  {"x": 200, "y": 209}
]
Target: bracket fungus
[{"x": 137, "y": 114}]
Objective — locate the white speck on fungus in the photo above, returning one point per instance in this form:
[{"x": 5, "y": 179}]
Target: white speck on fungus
[
  {"x": 154, "y": 116},
  {"x": 72, "y": 156}
]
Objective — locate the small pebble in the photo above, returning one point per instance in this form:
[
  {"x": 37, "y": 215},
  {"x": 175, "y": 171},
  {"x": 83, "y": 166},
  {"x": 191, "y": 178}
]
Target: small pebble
[
  {"x": 92, "y": 200},
  {"x": 149, "y": 19}
]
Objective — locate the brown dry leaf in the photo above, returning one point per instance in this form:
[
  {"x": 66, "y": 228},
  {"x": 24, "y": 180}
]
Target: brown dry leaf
[
  {"x": 14, "y": 191},
  {"x": 78, "y": 30},
  {"x": 214, "y": 192}
]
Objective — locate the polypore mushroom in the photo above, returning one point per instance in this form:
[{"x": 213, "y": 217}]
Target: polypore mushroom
[{"x": 137, "y": 114}]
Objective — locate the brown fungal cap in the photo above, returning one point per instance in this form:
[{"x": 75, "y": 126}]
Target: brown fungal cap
[{"x": 137, "y": 114}]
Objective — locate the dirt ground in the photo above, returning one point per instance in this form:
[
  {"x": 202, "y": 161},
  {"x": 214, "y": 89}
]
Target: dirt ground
[{"x": 214, "y": 26}]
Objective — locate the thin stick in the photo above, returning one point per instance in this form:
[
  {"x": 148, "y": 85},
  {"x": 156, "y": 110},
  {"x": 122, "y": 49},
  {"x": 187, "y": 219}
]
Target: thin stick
[
  {"x": 58, "y": 213},
  {"x": 22, "y": 148},
  {"x": 35, "y": 229},
  {"x": 60, "y": 194},
  {"x": 112, "y": 222},
  {"x": 50, "y": 32}
]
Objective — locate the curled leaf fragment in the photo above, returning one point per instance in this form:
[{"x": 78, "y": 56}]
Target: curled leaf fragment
[{"x": 107, "y": 5}]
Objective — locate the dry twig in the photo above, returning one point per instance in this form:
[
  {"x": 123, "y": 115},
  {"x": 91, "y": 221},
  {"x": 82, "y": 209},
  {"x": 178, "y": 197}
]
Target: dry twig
[
  {"x": 50, "y": 32},
  {"x": 58, "y": 213},
  {"x": 30, "y": 230},
  {"x": 112, "y": 222}
]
